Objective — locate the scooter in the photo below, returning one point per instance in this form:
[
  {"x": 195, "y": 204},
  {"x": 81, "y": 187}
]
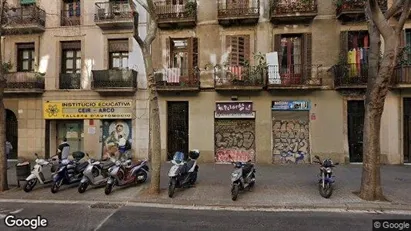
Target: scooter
[
  {"x": 243, "y": 177},
  {"x": 326, "y": 179},
  {"x": 69, "y": 172},
  {"x": 37, "y": 172},
  {"x": 125, "y": 172},
  {"x": 183, "y": 174},
  {"x": 95, "y": 174}
]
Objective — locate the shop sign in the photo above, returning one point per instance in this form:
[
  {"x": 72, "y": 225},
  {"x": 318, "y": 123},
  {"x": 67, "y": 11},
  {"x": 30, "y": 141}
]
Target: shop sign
[
  {"x": 236, "y": 109},
  {"x": 88, "y": 109},
  {"x": 293, "y": 105}
]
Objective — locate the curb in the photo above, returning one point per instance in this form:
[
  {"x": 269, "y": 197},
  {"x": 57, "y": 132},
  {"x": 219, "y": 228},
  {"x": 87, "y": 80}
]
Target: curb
[{"x": 337, "y": 208}]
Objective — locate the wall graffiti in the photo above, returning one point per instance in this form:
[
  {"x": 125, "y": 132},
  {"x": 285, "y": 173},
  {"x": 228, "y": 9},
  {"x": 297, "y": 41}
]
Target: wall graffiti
[
  {"x": 291, "y": 141},
  {"x": 234, "y": 140}
]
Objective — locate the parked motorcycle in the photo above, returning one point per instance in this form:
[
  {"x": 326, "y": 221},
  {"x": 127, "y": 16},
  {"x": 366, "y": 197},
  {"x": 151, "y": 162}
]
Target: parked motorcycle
[
  {"x": 125, "y": 172},
  {"x": 326, "y": 179},
  {"x": 69, "y": 171},
  {"x": 95, "y": 174},
  {"x": 37, "y": 172},
  {"x": 243, "y": 177},
  {"x": 183, "y": 173}
]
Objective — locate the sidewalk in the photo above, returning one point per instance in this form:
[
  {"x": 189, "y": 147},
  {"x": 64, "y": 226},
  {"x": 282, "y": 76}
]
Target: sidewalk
[{"x": 276, "y": 186}]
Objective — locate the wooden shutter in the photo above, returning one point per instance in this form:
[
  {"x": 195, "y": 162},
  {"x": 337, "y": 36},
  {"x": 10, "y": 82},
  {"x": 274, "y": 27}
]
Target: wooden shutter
[
  {"x": 244, "y": 49},
  {"x": 240, "y": 49},
  {"x": 307, "y": 57},
  {"x": 277, "y": 47},
  {"x": 118, "y": 45},
  {"x": 344, "y": 45},
  {"x": 192, "y": 56},
  {"x": 168, "y": 51},
  {"x": 233, "y": 42}
]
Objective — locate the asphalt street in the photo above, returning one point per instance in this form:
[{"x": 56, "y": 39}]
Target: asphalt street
[{"x": 112, "y": 217}]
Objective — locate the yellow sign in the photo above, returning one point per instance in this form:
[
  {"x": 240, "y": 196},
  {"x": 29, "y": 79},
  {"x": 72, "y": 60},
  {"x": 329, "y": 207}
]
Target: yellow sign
[{"x": 88, "y": 109}]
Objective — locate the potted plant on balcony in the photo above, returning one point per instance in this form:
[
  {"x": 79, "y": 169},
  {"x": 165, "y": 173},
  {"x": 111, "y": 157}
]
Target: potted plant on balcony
[
  {"x": 255, "y": 74},
  {"x": 190, "y": 8},
  {"x": 7, "y": 67}
]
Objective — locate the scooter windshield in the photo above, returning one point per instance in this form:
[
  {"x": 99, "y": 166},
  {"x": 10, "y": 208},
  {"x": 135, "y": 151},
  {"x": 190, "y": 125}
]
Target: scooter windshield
[{"x": 178, "y": 157}]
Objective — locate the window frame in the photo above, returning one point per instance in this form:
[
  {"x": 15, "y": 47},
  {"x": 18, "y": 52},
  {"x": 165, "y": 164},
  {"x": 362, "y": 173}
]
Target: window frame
[
  {"x": 20, "y": 59},
  {"x": 74, "y": 58}
]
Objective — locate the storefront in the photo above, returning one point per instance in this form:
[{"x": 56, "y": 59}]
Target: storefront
[
  {"x": 93, "y": 126},
  {"x": 290, "y": 131},
  {"x": 234, "y": 132}
]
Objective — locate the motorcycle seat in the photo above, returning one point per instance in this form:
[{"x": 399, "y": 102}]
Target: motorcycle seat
[
  {"x": 189, "y": 165},
  {"x": 247, "y": 168},
  {"x": 106, "y": 165},
  {"x": 81, "y": 167}
]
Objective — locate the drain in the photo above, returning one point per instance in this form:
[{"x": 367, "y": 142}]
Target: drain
[{"x": 105, "y": 206}]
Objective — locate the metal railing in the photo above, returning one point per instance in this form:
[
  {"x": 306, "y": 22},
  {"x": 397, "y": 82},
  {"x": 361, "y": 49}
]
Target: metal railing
[
  {"x": 178, "y": 77},
  {"x": 239, "y": 9},
  {"x": 112, "y": 11},
  {"x": 356, "y": 5},
  {"x": 70, "y": 81},
  {"x": 281, "y": 7},
  {"x": 227, "y": 76},
  {"x": 294, "y": 75},
  {"x": 114, "y": 78},
  {"x": 350, "y": 74},
  {"x": 24, "y": 80},
  {"x": 168, "y": 11},
  {"x": 27, "y": 15},
  {"x": 70, "y": 17}
]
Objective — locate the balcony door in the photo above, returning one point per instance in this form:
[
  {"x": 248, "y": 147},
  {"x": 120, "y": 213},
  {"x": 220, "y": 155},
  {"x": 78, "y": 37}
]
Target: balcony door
[
  {"x": 183, "y": 59},
  {"x": 291, "y": 58}
]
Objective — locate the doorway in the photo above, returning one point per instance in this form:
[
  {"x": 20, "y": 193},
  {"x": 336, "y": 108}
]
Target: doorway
[
  {"x": 177, "y": 128},
  {"x": 355, "y": 121},
  {"x": 12, "y": 133},
  {"x": 407, "y": 130},
  {"x": 73, "y": 131}
]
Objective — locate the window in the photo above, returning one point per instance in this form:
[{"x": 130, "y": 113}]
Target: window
[
  {"x": 25, "y": 57},
  {"x": 175, "y": 2},
  {"x": 118, "y": 53},
  {"x": 354, "y": 52},
  {"x": 240, "y": 49},
  {"x": 290, "y": 54},
  {"x": 71, "y": 12},
  {"x": 71, "y": 62},
  {"x": 182, "y": 56},
  {"x": 407, "y": 49}
]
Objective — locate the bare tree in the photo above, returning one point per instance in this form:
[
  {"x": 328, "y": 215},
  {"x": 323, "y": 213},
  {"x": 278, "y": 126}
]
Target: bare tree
[
  {"x": 154, "y": 121},
  {"x": 3, "y": 157},
  {"x": 380, "y": 74}
]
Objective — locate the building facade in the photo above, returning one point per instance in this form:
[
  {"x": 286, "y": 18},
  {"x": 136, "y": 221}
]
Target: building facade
[
  {"x": 75, "y": 72},
  {"x": 272, "y": 81}
]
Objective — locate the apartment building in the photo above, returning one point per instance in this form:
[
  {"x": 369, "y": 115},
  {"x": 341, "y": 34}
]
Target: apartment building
[
  {"x": 75, "y": 72},
  {"x": 218, "y": 95}
]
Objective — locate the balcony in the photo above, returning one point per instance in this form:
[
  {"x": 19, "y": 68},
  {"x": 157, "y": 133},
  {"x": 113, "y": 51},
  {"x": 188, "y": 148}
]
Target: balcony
[
  {"x": 353, "y": 10},
  {"x": 176, "y": 16},
  {"x": 118, "y": 81},
  {"x": 70, "y": 81},
  {"x": 176, "y": 79},
  {"x": 24, "y": 83},
  {"x": 239, "y": 78},
  {"x": 288, "y": 11},
  {"x": 242, "y": 12},
  {"x": 294, "y": 77},
  {"x": 402, "y": 76},
  {"x": 70, "y": 18},
  {"x": 349, "y": 76},
  {"x": 25, "y": 20},
  {"x": 114, "y": 15}
]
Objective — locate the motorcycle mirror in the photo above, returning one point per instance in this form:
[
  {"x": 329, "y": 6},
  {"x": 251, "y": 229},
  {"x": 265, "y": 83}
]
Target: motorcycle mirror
[
  {"x": 36, "y": 154},
  {"x": 87, "y": 155},
  {"x": 317, "y": 157},
  {"x": 337, "y": 163}
]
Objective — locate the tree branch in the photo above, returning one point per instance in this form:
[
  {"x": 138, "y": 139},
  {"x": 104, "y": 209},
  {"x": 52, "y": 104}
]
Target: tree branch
[
  {"x": 394, "y": 9},
  {"x": 379, "y": 19},
  {"x": 404, "y": 16},
  {"x": 136, "y": 34},
  {"x": 152, "y": 32},
  {"x": 142, "y": 4}
]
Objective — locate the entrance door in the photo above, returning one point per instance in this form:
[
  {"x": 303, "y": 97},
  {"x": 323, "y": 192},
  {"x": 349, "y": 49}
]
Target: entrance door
[
  {"x": 177, "y": 128},
  {"x": 355, "y": 119},
  {"x": 12, "y": 132},
  {"x": 73, "y": 131},
  {"x": 407, "y": 130}
]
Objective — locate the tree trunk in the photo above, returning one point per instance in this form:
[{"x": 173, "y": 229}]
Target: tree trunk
[
  {"x": 154, "y": 124},
  {"x": 378, "y": 81},
  {"x": 3, "y": 156}
]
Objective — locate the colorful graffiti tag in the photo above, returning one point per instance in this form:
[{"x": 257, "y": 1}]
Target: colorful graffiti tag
[
  {"x": 234, "y": 140},
  {"x": 290, "y": 141}
]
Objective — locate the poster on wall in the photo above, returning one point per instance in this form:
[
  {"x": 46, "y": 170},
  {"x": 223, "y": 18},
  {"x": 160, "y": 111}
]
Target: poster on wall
[
  {"x": 117, "y": 136},
  {"x": 292, "y": 105}
]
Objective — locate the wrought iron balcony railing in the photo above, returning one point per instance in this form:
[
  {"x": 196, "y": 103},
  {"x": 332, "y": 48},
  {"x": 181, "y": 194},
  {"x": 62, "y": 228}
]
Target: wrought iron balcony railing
[
  {"x": 239, "y": 76},
  {"x": 70, "y": 17},
  {"x": 355, "y": 74},
  {"x": 178, "y": 77},
  {"x": 167, "y": 11},
  {"x": 113, "y": 11},
  {"x": 27, "y": 15},
  {"x": 293, "y": 75},
  {"x": 281, "y": 7},
  {"x": 239, "y": 9},
  {"x": 70, "y": 81},
  {"x": 24, "y": 80},
  {"x": 114, "y": 78},
  {"x": 347, "y": 6}
]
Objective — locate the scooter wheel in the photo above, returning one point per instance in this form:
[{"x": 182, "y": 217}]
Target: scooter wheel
[
  {"x": 55, "y": 187},
  {"x": 172, "y": 188},
  {"x": 30, "y": 185},
  {"x": 108, "y": 189},
  {"x": 82, "y": 187},
  {"x": 234, "y": 192}
]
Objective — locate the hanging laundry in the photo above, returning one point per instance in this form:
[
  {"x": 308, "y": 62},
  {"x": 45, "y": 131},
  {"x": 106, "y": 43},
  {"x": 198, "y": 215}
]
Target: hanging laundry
[
  {"x": 351, "y": 63},
  {"x": 366, "y": 41},
  {"x": 358, "y": 60}
]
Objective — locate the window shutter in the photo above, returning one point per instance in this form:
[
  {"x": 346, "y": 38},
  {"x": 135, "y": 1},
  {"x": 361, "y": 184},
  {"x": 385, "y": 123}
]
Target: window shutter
[
  {"x": 247, "y": 48},
  {"x": 168, "y": 51},
  {"x": 277, "y": 47},
  {"x": 193, "y": 56},
  {"x": 118, "y": 45},
  {"x": 25, "y": 45},
  {"x": 233, "y": 42},
  {"x": 72, "y": 45},
  {"x": 344, "y": 45},
  {"x": 307, "y": 58}
]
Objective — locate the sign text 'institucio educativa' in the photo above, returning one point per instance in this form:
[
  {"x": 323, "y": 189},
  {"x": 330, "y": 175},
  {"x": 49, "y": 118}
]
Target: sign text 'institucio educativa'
[{"x": 92, "y": 109}]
